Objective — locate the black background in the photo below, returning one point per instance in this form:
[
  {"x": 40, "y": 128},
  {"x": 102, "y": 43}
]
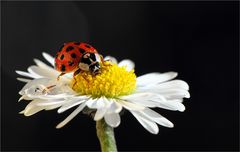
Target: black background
[{"x": 199, "y": 40}]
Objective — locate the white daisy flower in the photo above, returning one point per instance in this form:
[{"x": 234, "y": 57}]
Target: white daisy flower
[{"x": 108, "y": 93}]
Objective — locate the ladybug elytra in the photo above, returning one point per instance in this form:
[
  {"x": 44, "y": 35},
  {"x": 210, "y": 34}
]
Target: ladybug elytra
[{"x": 76, "y": 56}]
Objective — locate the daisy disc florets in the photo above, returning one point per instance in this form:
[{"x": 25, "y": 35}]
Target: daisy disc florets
[{"x": 113, "y": 81}]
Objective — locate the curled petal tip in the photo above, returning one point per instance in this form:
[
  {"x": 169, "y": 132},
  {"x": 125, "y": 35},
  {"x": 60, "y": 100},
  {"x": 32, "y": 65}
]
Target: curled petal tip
[
  {"x": 182, "y": 109},
  {"x": 187, "y": 95},
  {"x": 174, "y": 73},
  {"x": 22, "y": 112},
  {"x": 35, "y": 60},
  {"x": 170, "y": 125},
  {"x": 21, "y": 98},
  {"x": 59, "y": 126}
]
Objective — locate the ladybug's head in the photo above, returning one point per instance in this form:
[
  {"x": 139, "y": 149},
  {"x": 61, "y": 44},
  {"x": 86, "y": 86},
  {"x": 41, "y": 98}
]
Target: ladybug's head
[{"x": 90, "y": 62}]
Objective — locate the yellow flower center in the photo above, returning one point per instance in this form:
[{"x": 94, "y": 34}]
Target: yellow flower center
[{"x": 112, "y": 81}]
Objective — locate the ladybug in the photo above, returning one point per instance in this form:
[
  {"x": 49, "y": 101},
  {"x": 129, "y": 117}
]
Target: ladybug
[{"x": 76, "y": 56}]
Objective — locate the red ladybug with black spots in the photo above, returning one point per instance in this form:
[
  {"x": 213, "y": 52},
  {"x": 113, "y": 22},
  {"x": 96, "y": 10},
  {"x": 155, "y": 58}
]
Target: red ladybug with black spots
[{"x": 76, "y": 56}]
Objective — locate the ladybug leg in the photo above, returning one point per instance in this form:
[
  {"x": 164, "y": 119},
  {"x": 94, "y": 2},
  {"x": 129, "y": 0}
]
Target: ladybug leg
[
  {"x": 60, "y": 75},
  {"x": 74, "y": 74}
]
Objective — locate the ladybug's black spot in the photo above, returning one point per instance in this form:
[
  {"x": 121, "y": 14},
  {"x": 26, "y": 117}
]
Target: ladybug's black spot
[
  {"x": 73, "y": 55},
  {"x": 62, "y": 57},
  {"x": 88, "y": 46},
  {"x": 61, "y": 48},
  {"x": 70, "y": 63},
  {"x": 63, "y": 68},
  {"x": 82, "y": 51},
  {"x": 69, "y": 48},
  {"x": 77, "y": 43}
]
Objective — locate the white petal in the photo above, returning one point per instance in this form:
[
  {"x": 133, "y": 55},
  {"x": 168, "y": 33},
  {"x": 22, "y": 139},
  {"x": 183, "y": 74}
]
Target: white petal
[
  {"x": 42, "y": 64},
  {"x": 91, "y": 103},
  {"x": 78, "y": 97},
  {"x": 23, "y": 79},
  {"x": 70, "y": 104},
  {"x": 112, "y": 119},
  {"x": 173, "y": 84},
  {"x": 175, "y": 93},
  {"x": 165, "y": 104},
  {"x": 130, "y": 106},
  {"x": 30, "y": 111},
  {"x": 172, "y": 93},
  {"x": 99, "y": 114},
  {"x": 40, "y": 72},
  {"x": 176, "y": 100},
  {"x": 115, "y": 107},
  {"x": 49, "y": 97},
  {"x": 145, "y": 122},
  {"x": 110, "y": 58},
  {"x": 44, "y": 104},
  {"x": 33, "y": 73},
  {"x": 103, "y": 103},
  {"x": 51, "y": 70},
  {"x": 27, "y": 74},
  {"x": 154, "y": 116},
  {"x": 98, "y": 103},
  {"x": 21, "y": 112},
  {"x": 155, "y": 78},
  {"x": 49, "y": 58},
  {"x": 142, "y": 95},
  {"x": 145, "y": 99},
  {"x": 171, "y": 105},
  {"x": 154, "y": 100},
  {"x": 128, "y": 63},
  {"x": 51, "y": 107},
  {"x": 168, "y": 93},
  {"x": 31, "y": 108},
  {"x": 71, "y": 116},
  {"x": 22, "y": 97},
  {"x": 50, "y": 102}
]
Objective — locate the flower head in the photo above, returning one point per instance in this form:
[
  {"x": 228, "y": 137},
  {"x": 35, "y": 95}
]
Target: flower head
[{"x": 107, "y": 94}]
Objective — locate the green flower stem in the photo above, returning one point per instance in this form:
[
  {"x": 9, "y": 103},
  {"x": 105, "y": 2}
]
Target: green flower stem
[{"x": 106, "y": 137}]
